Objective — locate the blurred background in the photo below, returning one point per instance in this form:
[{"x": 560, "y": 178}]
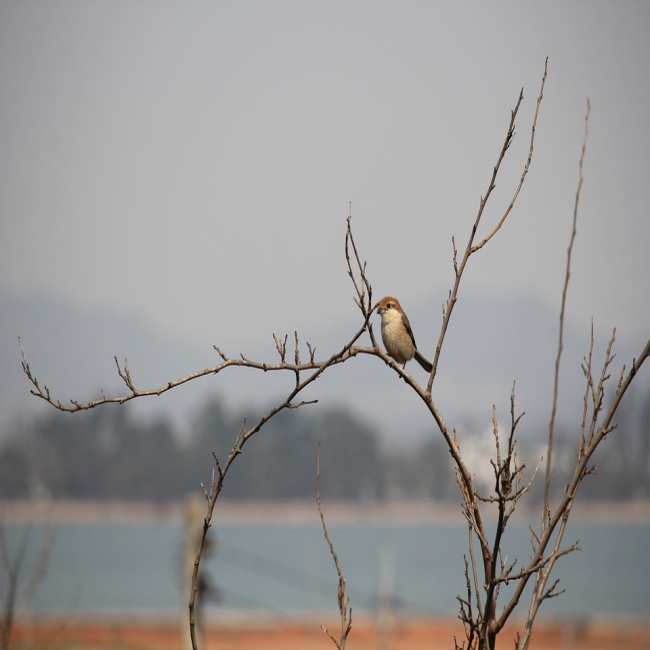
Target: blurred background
[{"x": 178, "y": 175}]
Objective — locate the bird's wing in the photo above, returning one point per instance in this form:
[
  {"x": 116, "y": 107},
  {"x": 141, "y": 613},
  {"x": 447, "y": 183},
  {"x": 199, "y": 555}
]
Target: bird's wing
[{"x": 407, "y": 325}]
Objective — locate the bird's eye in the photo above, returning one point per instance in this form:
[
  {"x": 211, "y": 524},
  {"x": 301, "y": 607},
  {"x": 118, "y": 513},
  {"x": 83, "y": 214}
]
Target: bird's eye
[{"x": 389, "y": 305}]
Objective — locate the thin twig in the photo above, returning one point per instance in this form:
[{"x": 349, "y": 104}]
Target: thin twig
[
  {"x": 556, "y": 379},
  {"x": 342, "y": 597},
  {"x": 524, "y": 172}
]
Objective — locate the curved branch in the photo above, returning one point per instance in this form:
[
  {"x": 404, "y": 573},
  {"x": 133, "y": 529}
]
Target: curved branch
[
  {"x": 525, "y": 171},
  {"x": 560, "y": 345},
  {"x": 471, "y": 248},
  {"x": 123, "y": 372}
]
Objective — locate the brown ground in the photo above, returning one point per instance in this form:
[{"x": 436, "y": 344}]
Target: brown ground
[{"x": 404, "y": 633}]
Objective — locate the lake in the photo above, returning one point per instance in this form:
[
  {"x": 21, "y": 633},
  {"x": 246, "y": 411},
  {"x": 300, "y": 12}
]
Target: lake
[{"x": 287, "y": 569}]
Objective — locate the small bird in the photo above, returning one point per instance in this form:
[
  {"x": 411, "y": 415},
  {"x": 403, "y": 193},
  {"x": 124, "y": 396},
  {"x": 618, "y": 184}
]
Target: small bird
[{"x": 397, "y": 334}]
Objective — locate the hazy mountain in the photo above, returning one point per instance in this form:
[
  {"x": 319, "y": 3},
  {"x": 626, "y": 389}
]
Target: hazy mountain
[
  {"x": 491, "y": 342},
  {"x": 71, "y": 349}
]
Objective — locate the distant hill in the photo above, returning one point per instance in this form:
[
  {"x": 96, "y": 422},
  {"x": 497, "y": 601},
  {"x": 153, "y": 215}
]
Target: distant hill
[
  {"x": 491, "y": 342},
  {"x": 71, "y": 349}
]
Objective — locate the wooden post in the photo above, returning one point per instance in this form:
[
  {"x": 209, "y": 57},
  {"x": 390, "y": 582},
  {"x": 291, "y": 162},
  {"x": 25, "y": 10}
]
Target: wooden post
[{"x": 193, "y": 529}]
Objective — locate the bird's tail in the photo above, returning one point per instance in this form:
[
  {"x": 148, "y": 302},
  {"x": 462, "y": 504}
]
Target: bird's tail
[{"x": 423, "y": 362}]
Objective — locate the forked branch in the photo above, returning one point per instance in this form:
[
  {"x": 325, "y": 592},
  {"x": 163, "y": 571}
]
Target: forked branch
[{"x": 471, "y": 248}]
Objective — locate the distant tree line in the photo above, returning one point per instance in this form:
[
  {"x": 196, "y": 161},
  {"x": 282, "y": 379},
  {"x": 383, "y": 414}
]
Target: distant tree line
[{"x": 112, "y": 454}]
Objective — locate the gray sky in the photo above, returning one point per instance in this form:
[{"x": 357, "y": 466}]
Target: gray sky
[{"x": 192, "y": 162}]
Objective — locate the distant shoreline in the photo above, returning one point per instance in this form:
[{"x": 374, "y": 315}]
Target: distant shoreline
[{"x": 295, "y": 512}]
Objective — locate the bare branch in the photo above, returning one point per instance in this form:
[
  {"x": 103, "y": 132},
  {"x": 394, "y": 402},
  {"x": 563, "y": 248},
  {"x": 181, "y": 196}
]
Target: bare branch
[
  {"x": 362, "y": 285},
  {"x": 465, "y": 613},
  {"x": 474, "y": 573},
  {"x": 556, "y": 380},
  {"x": 623, "y": 385},
  {"x": 471, "y": 248},
  {"x": 280, "y": 346},
  {"x": 342, "y": 597},
  {"x": 586, "y": 369},
  {"x": 18, "y": 585},
  {"x": 44, "y": 393},
  {"x": 525, "y": 171}
]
